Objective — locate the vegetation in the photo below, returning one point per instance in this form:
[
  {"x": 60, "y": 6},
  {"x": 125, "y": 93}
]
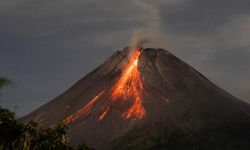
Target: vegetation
[
  {"x": 3, "y": 82},
  {"x": 18, "y": 136}
]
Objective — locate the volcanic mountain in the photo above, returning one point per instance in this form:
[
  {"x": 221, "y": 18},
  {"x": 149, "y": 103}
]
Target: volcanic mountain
[{"x": 148, "y": 99}]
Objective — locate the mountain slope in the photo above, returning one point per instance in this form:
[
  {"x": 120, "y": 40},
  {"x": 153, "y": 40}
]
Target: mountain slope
[{"x": 148, "y": 99}]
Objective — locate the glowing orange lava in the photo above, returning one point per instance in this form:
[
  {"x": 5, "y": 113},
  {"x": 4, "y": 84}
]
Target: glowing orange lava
[
  {"x": 103, "y": 114},
  {"x": 130, "y": 86},
  {"x": 83, "y": 111}
]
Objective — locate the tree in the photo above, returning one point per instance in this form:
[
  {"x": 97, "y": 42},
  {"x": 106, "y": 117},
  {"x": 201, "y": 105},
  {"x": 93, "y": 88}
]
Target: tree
[
  {"x": 10, "y": 129},
  {"x": 4, "y": 82},
  {"x": 15, "y": 135},
  {"x": 34, "y": 137}
]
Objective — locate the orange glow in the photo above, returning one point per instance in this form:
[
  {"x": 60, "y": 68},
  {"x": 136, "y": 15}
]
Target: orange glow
[
  {"x": 83, "y": 111},
  {"x": 130, "y": 86},
  {"x": 103, "y": 114}
]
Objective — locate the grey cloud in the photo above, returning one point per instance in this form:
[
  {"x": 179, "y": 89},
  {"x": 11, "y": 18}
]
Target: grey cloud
[
  {"x": 199, "y": 17},
  {"x": 46, "y": 46}
]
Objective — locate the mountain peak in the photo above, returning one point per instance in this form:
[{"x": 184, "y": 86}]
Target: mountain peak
[{"x": 147, "y": 98}]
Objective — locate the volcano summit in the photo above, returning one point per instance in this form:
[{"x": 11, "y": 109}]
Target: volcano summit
[{"x": 148, "y": 99}]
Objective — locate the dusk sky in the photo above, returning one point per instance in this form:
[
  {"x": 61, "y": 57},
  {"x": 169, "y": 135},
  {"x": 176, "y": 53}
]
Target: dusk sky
[{"x": 46, "y": 46}]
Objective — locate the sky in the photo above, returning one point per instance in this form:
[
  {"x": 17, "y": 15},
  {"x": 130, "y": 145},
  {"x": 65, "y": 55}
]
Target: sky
[{"x": 46, "y": 46}]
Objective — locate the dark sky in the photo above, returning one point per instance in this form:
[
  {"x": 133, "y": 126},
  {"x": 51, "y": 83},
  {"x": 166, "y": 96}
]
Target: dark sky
[{"x": 46, "y": 46}]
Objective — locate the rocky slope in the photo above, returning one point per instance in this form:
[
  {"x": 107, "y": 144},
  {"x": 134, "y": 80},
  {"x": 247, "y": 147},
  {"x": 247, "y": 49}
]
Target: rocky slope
[{"x": 148, "y": 99}]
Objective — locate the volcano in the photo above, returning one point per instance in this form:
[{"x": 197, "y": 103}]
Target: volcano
[{"x": 147, "y": 99}]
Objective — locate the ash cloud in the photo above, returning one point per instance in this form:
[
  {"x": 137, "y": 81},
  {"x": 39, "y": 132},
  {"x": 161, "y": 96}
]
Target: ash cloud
[
  {"x": 150, "y": 33},
  {"x": 139, "y": 38},
  {"x": 152, "y": 21}
]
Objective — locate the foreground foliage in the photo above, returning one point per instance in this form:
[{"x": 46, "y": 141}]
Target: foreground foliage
[{"x": 18, "y": 136}]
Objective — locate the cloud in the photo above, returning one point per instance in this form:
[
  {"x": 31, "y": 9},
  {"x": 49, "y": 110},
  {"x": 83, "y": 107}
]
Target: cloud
[
  {"x": 149, "y": 13},
  {"x": 236, "y": 33},
  {"x": 149, "y": 34},
  {"x": 55, "y": 43},
  {"x": 201, "y": 17}
]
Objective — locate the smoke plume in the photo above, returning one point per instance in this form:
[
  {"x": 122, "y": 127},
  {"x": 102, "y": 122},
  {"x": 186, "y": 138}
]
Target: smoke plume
[{"x": 149, "y": 34}]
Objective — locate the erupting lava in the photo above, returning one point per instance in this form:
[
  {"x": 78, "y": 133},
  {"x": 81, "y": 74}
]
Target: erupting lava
[
  {"x": 128, "y": 87},
  {"x": 84, "y": 110}
]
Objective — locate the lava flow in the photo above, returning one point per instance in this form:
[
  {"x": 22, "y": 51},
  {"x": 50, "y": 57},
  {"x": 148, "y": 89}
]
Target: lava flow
[
  {"x": 128, "y": 87},
  {"x": 84, "y": 110}
]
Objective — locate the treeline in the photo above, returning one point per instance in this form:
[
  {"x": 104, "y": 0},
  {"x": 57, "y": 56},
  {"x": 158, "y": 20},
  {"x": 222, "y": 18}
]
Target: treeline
[{"x": 15, "y": 135}]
